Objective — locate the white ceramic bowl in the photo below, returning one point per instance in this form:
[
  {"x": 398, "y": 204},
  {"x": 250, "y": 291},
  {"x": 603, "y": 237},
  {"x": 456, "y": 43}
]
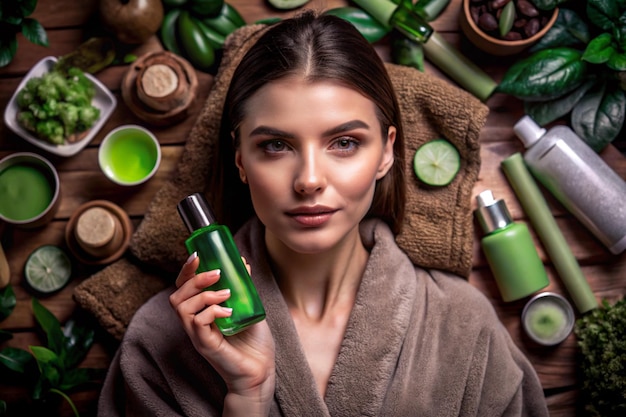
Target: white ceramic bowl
[
  {"x": 129, "y": 155},
  {"x": 103, "y": 100},
  {"x": 28, "y": 159}
]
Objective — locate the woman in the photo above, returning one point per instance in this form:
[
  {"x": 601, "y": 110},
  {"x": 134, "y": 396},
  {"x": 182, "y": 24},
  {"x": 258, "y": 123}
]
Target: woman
[{"x": 352, "y": 328}]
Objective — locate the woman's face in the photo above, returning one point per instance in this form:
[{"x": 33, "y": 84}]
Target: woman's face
[{"x": 311, "y": 154}]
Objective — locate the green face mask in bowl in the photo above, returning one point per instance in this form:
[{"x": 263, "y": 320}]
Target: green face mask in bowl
[{"x": 129, "y": 155}]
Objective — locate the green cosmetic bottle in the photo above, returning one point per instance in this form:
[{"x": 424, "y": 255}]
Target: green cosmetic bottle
[
  {"x": 436, "y": 49},
  {"x": 509, "y": 249},
  {"x": 216, "y": 249}
]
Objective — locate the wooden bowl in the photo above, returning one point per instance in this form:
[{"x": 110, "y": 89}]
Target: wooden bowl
[
  {"x": 167, "y": 110},
  {"x": 495, "y": 46}
]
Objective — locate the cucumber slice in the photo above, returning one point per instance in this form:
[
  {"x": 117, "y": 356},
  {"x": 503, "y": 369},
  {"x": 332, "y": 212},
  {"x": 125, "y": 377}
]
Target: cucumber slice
[
  {"x": 437, "y": 162},
  {"x": 48, "y": 269},
  {"x": 287, "y": 4}
]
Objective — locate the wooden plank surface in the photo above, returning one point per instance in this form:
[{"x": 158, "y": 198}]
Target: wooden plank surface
[{"x": 67, "y": 24}]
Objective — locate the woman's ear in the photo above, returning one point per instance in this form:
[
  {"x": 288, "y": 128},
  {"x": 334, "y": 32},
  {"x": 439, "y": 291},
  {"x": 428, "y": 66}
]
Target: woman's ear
[
  {"x": 239, "y": 164},
  {"x": 387, "y": 159}
]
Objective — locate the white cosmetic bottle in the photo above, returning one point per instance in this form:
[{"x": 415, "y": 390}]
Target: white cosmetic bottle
[{"x": 575, "y": 174}]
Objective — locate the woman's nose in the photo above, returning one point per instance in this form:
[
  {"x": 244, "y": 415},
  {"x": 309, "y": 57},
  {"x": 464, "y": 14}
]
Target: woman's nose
[{"x": 310, "y": 177}]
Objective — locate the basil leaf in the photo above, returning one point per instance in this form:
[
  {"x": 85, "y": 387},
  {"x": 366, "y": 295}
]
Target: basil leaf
[
  {"x": 34, "y": 32},
  {"x": 544, "y": 112},
  {"x": 569, "y": 29},
  {"x": 603, "y": 13},
  {"x": 7, "y": 301},
  {"x": 8, "y": 48},
  {"x": 600, "y": 49},
  {"x": 15, "y": 359},
  {"x": 79, "y": 338},
  {"x": 598, "y": 117},
  {"x": 4, "y": 336},
  {"x": 544, "y": 75},
  {"x": 617, "y": 61},
  {"x": 51, "y": 326}
]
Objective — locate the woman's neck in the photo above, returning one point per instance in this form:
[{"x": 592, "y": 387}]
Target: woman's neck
[{"x": 315, "y": 285}]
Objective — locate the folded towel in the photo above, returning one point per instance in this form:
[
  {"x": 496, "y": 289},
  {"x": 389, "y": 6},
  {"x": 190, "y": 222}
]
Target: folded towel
[{"x": 438, "y": 229}]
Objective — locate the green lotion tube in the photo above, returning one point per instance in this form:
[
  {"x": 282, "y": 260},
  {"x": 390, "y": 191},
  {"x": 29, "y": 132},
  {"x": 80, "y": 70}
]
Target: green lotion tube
[
  {"x": 509, "y": 249},
  {"x": 436, "y": 49},
  {"x": 549, "y": 233},
  {"x": 216, "y": 249}
]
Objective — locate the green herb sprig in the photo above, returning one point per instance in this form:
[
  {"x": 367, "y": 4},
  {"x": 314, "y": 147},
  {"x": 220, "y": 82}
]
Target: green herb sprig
[{"x": 51, "y": 371}]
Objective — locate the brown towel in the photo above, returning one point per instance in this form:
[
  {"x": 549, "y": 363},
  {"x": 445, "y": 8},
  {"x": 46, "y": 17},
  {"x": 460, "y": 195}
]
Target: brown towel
[{"x": 438, "y": 230}]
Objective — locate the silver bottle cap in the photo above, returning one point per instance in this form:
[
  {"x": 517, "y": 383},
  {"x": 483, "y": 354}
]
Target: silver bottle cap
[
  {"x": 528, "y": 131},
  {"x": 195, "y": 212},
  {"x": 492, "y": 214}
]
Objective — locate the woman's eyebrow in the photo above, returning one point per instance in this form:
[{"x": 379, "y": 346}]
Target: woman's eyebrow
[
  {"x": 270, "y": 131},
  {"x": 346, "y": 127},
  {"x": 343, "y": 127}
]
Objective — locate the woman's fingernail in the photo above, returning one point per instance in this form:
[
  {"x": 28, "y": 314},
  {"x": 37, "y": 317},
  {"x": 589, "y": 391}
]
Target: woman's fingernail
[
  {"x": 191, "y": 258},
  {"x": 225, "y": 291},
  {"x": 227, "y": 310}
]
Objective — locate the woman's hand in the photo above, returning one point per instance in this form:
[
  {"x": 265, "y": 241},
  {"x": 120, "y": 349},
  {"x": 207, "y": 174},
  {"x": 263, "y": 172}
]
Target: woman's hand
[{"x": 245, "y": 360}]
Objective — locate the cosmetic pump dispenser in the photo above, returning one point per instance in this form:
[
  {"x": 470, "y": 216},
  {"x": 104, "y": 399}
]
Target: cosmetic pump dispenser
[
  {"x": 216, "y": 249},
  {"x": 577, "y": 176},
  {"x": 509, "y": 249}
]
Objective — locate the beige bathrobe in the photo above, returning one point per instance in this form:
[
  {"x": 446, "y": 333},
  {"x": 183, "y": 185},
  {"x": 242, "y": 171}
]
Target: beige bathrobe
[{"x": 418, "y": 343}]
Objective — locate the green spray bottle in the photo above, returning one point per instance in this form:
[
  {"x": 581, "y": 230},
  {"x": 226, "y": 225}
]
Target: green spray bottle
[{"x": 216, "y": 249}]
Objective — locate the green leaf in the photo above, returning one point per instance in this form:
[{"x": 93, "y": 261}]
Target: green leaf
[
  {"x": 617, "y": 61},
  {"x": 544, "y": 75},
  {"x": 544, "y": 112},
  {"x": 27, "y": 7},
  {"x": 600, "y": 49},
  {"x": 603, "y": 13},
  {"x": 598, "y": 117},
  {"x": 7, "y": 301},
  {"x": 49, "y": 363},
  {"x": 568, "y": 30},
  {"x": 34, "y": 32},
  {"x": 507, "y": 17},
  {"x": 51, "y": 326},
  {"x": 8, "y": 48},
  {"x": 79, "y": 338},
  {"x": 15, "y": 359},
  {"x": 407, "y": 52},
  {"x": 74, "y": 378}
]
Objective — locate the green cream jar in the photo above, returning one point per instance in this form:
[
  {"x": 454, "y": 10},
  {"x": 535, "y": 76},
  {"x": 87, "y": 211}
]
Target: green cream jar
[
  {"x": 548, "y": 318},
  {"x": 29, "y": 190}
]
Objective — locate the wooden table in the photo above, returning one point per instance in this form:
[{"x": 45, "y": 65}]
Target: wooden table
[{"x": 66, "y": 23}]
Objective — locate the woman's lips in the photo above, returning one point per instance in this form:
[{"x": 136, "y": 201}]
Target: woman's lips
[{"x": 312, "y": 217}]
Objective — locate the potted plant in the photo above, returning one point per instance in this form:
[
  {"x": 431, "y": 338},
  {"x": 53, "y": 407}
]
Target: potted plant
[
  {"x": 13, "y": 20},
  {"x": 576, "y": 70}
]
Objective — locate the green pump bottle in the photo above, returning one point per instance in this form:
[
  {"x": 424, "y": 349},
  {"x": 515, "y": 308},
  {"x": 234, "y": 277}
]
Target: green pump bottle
[
  {"x": 216, "y": 249},
  {"x": 509, "y": 249}
]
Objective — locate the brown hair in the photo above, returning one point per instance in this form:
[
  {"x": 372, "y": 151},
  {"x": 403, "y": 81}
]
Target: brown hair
[{"x": 316, "y": 47}]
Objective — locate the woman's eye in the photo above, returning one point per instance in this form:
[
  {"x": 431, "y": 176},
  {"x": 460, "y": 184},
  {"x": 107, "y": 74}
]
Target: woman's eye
[
  {"x": 346, "y": 144},
  {"x": 274, "y": 146}
]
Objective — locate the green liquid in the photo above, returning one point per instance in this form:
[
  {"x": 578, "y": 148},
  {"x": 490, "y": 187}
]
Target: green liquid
[
  {"x": 131, "y": 156},
  {"x": 25, "y": 192}
]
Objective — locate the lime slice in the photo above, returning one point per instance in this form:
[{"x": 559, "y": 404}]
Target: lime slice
[
  {"x": 48, "y": 269},
  {"x": 436, "y": 162}
]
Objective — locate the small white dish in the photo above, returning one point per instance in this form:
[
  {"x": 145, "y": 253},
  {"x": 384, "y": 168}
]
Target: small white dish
[{"x": 103, "y": 100}]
